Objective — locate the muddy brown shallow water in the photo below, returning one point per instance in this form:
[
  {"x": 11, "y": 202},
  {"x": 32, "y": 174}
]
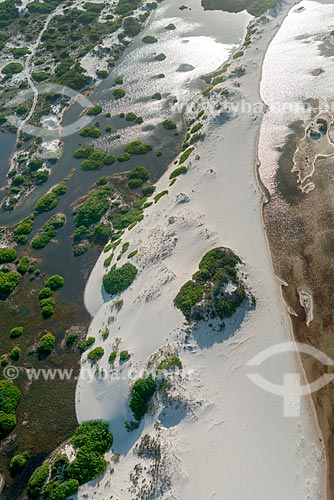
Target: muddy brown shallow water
[{"x": 300, "y": 230}]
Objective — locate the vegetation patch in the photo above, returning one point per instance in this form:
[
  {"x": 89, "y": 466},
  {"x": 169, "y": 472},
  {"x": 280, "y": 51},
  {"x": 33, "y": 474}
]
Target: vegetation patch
[
  {"x": 118, "y": 93},
  {"x": 160, "y": 195},
  {"x": 169, "y": 125},
  {"x": 171, "y": 363},
  {"x": 9, "y": 399},
  {"x": 149, "y": 39},
  {"x": 96, "y": 354},
  {"x": 94, "y": 110},
  {"x": 185, "y": 155},
  {"x": 93, "y": 131},
  {"x": 215, "y": 290},
  {"x": 160, "y": 57},
  {"x": 178, "y": 171},
  {"x": 119, "y": 279},
  {"x": 137, "y": 148},
  {"x": 141, "y": 394},
  {"x": 46, "y": 344}
]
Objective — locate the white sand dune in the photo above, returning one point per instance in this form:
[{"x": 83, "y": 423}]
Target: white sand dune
[{"x": 229, "y": 440}]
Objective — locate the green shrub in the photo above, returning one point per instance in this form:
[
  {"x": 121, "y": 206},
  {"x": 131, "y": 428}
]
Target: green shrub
[
  {"x": 8, "y": 282},
  {"x": 12, "y": 68},
  {"x": 61, "y": 491},
  {"x": 170, "y": 363},
  {"x": 132, "y": 254},
  {"x": 112, "y": 357},
  {"x": 130, "y": 117},
  {"x": 238, "y": 54},
  {"x": 87, "y": 465},
  {"x": 141, "y": 394},
  {"x": 60, "y": 189},
  {"x": 124, "y": 356},
  {"x": 160, "y": 57},
  {"x": 7, "y": 255},
  {"x": 189, "y": 294},
  {"x": 24, "y": 227},
  {"x": 37, "y": 481},
  {"x": 94, "y": 132},
  {"x": 196, "y": 128},
  {"x": 55, "y": 282},
  {"x": 157, "y": 96},
  {"x": 23, "y": 265},
  {"x": 45, "y": 293},
  {"x": 118, "y": 93},
  {"x": 96, "y": 354},
  {"x": 149, "y": 39},
  {"x": 7, "y": 423},
  {"x": 119, "y": 279},
  {"x": 46, "y": 203},
  {"x": 20, "y": 52},
  {"x": 123, "y": 157},
  {"x": 92, "y": 439},
  {"x": 47, "y": 307},
  {"x": 83, "y": 345},
  {"x": 39, "y": 76},
  {"x": 160, "y": 195},
  {"x": 137, "y": 148},
  {"x": 18, "y": 462},
  {"x": 185, "y": 155},
  {"x": 134, "y": 183},
  {"x": 46, "y": 343},
  {"x": 16, "y": 332},
  {"x": 83, "y": 152},
  {"x": 169, "y": 125},
  {"x": 119, "y": 79},
  {"x": 71, "y": 339},
  {"x": 178, "y": 171},
  {"x": 148, "y": 190},
  {"x": 9, "y": 399},
  {"x": 139, "y": 173},
  {"x": 91, "y": 210},
  {"x": 94, "y": 110},
  {"x": 15, "y": 353},
  {"x": 170, "y": 27}
]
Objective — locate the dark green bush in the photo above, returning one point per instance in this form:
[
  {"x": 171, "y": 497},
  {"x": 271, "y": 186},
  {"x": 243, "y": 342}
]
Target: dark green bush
[
  {"x": 149, "y": 39},
  {"x": 18, "y": 462},
  {"x": 124, "y": 356},
  {"x": 71, "y": 339},
  {"x": 94, "y": 110},
  {"x": 46, "y": 343},
  {"x": 83, "y": 345},
  {"x": 96, "y": 354},
  {"x": 7, "y": 255},
  {"x": 148, "y": 190},
  {"x": 94, "y": 132},
  {"x": 178, "y": 171},
  {"x": 12, "y": 68},
  {"x": 119, "y": 279},
  {"x": 37, "y": 481},
  {"x": 137, "y": 148},
  {"x": 169, "y": 125},
  {"x": 170, "y": 363},
  {"x": 55, "y": 282},
  {"x": 118, "y": 93},
  {"x": 47, "y": 202},
  {"x": 141, "y": 394},
  {"x": 16, "y": 332},
  {"x": 8, "y": 283},
  {"x": 47, "y": 307}
]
